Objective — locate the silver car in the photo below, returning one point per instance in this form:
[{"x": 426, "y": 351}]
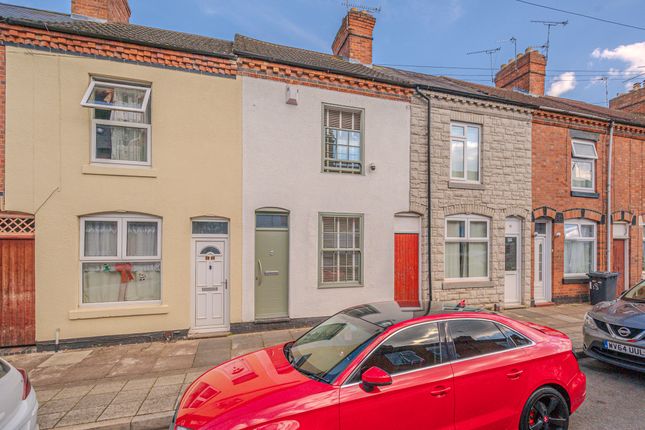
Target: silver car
[
  {"x": 614, "y": 332},
  {"x": 18, "y": 404}
]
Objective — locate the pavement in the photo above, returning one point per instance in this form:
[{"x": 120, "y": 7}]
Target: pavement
[{"x": 138, "y": 386}]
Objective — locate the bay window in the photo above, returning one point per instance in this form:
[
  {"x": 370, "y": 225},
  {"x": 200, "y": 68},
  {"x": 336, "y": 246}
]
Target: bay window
[
  {"x": 579, "y": 248},
  {"x": 120, "y": 122},
  {"x": 341, "y": 249},
  {"x": 583, "y": 166},
  {"x": 467, "y": 244},
  {"x": 120, "y": 259},
  {"x": 464, "y": 152}
]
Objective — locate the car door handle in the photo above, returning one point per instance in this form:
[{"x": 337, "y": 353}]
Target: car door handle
[
  {"x": 514, "y": 374},
  {"x": 440, "y": 391}
]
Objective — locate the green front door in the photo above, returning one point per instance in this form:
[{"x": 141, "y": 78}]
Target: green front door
[{"x": 271, "y": 265}]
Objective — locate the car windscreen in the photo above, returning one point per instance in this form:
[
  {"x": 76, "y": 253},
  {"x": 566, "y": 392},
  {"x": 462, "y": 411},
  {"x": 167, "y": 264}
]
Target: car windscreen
[
  {"x": 636, "y": 294},
  {"x": 327, "y": 349}
]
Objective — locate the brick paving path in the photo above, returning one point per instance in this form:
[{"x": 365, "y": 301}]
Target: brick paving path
[{"x": 137, "y": 386}]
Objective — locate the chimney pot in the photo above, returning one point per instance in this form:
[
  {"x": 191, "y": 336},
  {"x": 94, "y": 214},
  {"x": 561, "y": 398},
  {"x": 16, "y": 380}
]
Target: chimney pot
[
  {"x": 104, "y": 10},
  {"x": 631, "y": 101},
  {"x": 354, "y": 37},
  {"x": 636, "y": 86},
  {"x": 526, "y": 72}
]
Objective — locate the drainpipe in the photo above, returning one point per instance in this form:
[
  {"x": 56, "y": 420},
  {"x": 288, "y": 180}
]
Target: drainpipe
[
  {"x": 608, "y": 216},
  {"x": 429, "y": 103}
]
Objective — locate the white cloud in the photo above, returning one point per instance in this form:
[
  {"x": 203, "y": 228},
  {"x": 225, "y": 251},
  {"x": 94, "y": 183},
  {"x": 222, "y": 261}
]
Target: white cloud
[
  {"x": 633, "y": 55},
  {"x": 563, "y": 83}
]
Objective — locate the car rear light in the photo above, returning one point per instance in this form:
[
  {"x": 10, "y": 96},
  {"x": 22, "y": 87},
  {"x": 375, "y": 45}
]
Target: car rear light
[{"x": 26, "y": 384}]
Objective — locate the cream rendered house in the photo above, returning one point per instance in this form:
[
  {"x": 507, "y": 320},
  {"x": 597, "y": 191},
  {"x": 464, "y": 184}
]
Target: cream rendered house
[{"x": 128, "y": 154}]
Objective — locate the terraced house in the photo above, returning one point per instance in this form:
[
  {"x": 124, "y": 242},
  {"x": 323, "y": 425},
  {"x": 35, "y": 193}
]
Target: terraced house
[
  {"x": 587, "y": 181},
  {"x": 131, "y": 188}
]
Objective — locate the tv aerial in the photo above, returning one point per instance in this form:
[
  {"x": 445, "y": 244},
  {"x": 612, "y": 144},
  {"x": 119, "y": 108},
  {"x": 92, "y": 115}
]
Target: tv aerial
[
  {"x": 549, "y": 24},
  {"x": 354, "y": 5},
  {"x": 490, "y": 53}
]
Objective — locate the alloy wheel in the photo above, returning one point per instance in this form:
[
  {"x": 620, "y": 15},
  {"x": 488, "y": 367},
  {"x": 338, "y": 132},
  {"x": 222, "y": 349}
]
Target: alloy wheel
[{"x": 548, "y": 412}]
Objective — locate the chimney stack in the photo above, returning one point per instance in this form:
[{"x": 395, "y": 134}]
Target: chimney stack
[
  {"x": 633, "y": 101},
  {"x": 104, "y": 10},
  {"x": 354, "y": 38},
  {"x": 526, "y": 73}
]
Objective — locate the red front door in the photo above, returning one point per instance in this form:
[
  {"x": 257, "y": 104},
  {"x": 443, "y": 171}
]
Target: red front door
[
  {"x": 619, "y": 265},
  {"x": 406, "y": 269}
]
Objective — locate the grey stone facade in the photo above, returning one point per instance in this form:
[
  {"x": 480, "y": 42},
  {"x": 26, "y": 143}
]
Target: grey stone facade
[{"x": 505, "y": 189}]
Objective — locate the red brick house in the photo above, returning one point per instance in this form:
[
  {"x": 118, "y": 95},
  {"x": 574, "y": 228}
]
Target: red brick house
[{"x": 587, "y": 174}]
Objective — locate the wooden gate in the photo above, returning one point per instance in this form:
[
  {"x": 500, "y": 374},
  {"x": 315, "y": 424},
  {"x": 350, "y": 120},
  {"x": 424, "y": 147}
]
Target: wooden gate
[
  {"x": 406, "y": 269},
  {"x": 17, "y": 286}
]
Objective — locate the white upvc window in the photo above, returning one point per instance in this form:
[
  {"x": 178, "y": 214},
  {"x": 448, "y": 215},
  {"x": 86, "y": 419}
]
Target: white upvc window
[
  {"x": 583, "y": 166},
  {"x": 120, "y": 259},
  {"x": 341, "y": 250},
  {"x": 121, "y": 132},
  {"x": 467, "y": 244},
  {"x": 579, "y": 248},
  {"x": 643, "y": 270},
  {"x": 342, "y": 140},
  {"x": 465, "y": 152}
]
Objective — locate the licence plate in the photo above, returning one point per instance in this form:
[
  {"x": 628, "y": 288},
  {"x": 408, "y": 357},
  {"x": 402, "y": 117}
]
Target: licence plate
[{"x": 625, "y": 349}]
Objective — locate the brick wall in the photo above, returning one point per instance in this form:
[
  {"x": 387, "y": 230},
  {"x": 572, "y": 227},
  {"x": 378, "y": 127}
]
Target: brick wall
[
  {"x": 526, "y": 72},
  {"x": 506, "y": 191},
  {"x": 3, "y": 83},
  {"x": 552, "y": 153}
]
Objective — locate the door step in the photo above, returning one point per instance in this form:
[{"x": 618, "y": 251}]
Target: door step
[{"x": 207, "y": 334}]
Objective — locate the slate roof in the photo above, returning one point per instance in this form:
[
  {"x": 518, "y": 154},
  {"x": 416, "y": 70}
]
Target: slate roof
[
  {"x": 122, "y": 32},
  {"x": 253, "y": 48}
]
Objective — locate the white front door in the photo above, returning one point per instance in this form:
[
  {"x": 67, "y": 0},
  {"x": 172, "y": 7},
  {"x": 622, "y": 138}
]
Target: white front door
[
  {"x": 541, "y": 263},
  {"x": 512, "y": 274},
  {"x": 211, "y": 289}
]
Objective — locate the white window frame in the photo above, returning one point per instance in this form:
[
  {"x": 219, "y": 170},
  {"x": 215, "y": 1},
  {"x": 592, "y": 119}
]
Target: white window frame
[
  {"x": 86, "y": 103},
  {"x": 325, "y": 159},
  {"x": 580, "y": 158},
  {"x": 97, "y": 122},
  {"x": 594, "y": 239},
  {"x": 467, "y": 239},
  {"x": 464, "y": 140},
  {"x": 322, "y": 250},
  {"x": 643, "y": 246},
  {"x": 147, "y": 127},
  {"x": 121, "y": 256}
]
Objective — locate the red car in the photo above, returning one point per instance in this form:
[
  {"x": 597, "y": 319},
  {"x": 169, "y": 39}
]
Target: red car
[{"x": 380, "y": 366}]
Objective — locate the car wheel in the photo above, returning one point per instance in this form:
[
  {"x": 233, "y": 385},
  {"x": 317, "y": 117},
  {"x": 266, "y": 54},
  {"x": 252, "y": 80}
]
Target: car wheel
[{"x": 546, "y": 409}]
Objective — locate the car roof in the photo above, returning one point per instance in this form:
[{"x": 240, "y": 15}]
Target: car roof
[{"x": 391, "y": 313}]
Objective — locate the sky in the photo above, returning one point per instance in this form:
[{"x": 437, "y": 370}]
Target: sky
[{"x": 434, "y": 36}]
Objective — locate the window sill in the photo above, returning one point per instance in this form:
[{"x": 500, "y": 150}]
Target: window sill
[
  {"x": 585, "y": 194},
  {"x": 451, "y": 285},
  {"x": 332, "y": 286},
  {"x": 465, "y": 185},
  {"x": 116, "y": 311},
  {"x": 575, "y": 280},
  {"x": 141, "y": 172}
]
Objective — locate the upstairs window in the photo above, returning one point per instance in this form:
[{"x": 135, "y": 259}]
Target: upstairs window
[
  {"x": 343, "y": 140},
  {"x": 120, "y": 122},
  {"x": 464, "y": 152},
  {"x": 583, "y": 166}
]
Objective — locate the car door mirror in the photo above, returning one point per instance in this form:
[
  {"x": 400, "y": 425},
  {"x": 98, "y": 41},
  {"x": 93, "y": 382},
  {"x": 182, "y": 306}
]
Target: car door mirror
[{"x": 375, "y": 377}]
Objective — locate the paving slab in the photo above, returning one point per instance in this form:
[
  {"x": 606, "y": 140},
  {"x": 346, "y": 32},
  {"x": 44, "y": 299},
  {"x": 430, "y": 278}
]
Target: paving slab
[
  {"x": 65, "y": 358},
  {"x": 73, "y": 391},
  {"x": 58, "y": 405},
  {"x": 120, "y": 410},
  {"x": 47, "y": 421},
  {"x": 173, "y": 363},
  {"x": 95, "y": 400},
  {"x": 158, "y": 404},
  {"x": 132, "y": 366},
  {"x": 81, "y": 416},
  {"x": 131, "y": 396},
  {"x": 108, "y": 387}
]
